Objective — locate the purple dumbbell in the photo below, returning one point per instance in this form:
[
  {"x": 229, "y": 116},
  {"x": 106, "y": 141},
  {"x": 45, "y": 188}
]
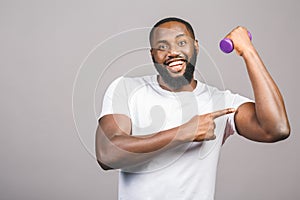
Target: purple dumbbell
[{"x": 226, "y": 45}]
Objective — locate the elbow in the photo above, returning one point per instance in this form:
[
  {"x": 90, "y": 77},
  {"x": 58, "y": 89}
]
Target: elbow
[
  {"x": 104, "y": 160},
  {"x": 279, "y": 133},
  {"x": 104, "y": 166},
  {"x": 284, "y": 132}
]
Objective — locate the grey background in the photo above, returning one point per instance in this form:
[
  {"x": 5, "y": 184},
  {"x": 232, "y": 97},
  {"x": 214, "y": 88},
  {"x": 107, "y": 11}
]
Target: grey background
[{"x": 43, "y": 152}]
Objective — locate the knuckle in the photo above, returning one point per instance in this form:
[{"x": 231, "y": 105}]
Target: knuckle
[
  {"x": 214, "y": 125},
  {"x": 211, "y": 125},
  {"x": 211, "y": 115},
  {"x": 207, "y": 115},
  {"x": 211, "y": 136},
  {"x": 240, "y": 28}
]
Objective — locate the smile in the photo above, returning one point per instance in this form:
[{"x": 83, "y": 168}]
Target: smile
[{"x": 176, "y": 66}]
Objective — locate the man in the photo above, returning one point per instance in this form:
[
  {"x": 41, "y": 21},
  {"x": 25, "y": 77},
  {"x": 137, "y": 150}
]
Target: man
[{"x": 165, "y": 132}]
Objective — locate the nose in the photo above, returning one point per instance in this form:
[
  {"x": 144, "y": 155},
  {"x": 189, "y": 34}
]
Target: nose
[{"x": 173, "y": 51}]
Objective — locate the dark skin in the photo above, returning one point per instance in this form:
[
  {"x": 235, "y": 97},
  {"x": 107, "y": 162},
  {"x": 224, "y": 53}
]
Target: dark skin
[{"x": 263, "y": 121}]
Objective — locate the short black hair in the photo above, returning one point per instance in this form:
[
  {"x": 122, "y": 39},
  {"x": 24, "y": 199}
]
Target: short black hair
[{"x": 172, "y": 19}]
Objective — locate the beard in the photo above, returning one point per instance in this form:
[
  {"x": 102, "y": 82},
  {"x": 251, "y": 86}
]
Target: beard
[{"x": 177, "y": 82}]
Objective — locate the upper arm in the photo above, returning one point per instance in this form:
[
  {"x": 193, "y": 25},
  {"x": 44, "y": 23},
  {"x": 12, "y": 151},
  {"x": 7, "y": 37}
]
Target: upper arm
[
  {"x": 114, "y": 124},
  {"x": 108, "y": 127},
  {"x": 247, "y": 124}
]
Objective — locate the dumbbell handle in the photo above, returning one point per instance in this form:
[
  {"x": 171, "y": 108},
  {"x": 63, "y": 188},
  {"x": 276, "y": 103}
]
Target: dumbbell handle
[{"x": 226, "y": 45}]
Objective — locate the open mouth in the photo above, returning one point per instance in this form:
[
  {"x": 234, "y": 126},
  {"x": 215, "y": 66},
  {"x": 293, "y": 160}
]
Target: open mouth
[{"x": 176, "y": 65}]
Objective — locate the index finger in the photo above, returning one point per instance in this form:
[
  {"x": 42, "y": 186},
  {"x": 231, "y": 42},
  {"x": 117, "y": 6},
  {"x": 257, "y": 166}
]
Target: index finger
[{"x": 220, "y": 113}]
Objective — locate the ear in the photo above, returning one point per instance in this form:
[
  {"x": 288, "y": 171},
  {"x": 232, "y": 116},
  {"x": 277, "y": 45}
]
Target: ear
[
  {"x": 196, "y": 44},
  {"x": 151, "y": 51},
  {"x": 151, "y": 54}
]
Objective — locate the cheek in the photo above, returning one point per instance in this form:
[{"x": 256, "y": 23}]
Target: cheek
[
  {"x": 189, "y": 52},
  {"x": 159, "y": 57}
]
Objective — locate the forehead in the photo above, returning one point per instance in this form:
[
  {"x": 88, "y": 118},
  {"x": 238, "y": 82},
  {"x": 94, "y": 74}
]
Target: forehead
[{"x": 170, "y": 30}]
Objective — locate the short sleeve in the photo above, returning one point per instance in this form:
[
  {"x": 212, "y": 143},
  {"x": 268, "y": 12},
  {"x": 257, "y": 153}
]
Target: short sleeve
[
  {"x": 230, "y": 128},
  {"x": 115, "y": 100}
]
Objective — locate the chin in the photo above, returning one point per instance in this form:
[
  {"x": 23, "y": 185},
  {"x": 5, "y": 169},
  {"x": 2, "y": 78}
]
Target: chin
[{"x": 176, "y": 75}]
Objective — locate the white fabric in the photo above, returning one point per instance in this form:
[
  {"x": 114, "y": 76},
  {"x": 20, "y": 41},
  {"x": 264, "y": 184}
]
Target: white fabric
[{"x": 187, "y": 171}]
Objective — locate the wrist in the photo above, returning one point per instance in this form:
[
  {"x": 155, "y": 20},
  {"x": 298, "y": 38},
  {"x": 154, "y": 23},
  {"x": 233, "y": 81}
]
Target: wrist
[
  {"x": 249, "y": 52},
  {"x": 183, "y": 133}
]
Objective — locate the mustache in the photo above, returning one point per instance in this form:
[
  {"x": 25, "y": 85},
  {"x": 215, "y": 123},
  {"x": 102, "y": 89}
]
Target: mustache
[
  {"x": 172, "y": 59},
  {"x": 177, "y": 58}
]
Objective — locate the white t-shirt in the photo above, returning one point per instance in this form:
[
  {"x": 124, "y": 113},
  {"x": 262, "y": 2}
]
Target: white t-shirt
[{"x": 187, "y": 171}]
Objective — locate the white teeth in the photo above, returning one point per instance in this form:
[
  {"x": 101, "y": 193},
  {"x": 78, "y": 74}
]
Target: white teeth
[
  {"x": 179, "y": 62},
  {"x": 177, "y": 68}
]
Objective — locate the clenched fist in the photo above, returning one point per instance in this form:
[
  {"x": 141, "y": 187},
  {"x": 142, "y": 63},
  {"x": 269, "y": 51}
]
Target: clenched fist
[{"x": 240, "y": 38}]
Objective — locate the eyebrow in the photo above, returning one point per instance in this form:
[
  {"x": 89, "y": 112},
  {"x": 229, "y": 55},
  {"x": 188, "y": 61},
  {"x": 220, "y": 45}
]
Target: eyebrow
[
  {"x": 161, "y": 41},
  {"x": 165, "y": 41},
  {"x": 180, "y": 35}
]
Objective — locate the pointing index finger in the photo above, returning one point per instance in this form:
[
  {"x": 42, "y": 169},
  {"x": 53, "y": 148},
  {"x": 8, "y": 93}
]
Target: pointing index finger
[{"x": 220, "y": 113}]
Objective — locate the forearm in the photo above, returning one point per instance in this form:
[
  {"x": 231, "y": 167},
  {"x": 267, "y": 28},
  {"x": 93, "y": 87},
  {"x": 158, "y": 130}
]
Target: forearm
[
  {"x": 122, "y": 150},
  {"x": 269, "y": 104},
  {"x": 117, "y": 148}
]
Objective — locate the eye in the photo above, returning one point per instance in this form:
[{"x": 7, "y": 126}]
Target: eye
[
  {"x": 162, "y": 47},
  {"x": 182, "y": 43}
]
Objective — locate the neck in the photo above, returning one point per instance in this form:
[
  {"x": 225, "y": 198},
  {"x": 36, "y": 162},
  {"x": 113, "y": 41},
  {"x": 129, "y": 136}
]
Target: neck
[{"x": 186, "y": 88}]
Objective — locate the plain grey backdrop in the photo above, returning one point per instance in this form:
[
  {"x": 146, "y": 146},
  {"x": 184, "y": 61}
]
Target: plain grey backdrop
[{"x": 44, "y": 151}]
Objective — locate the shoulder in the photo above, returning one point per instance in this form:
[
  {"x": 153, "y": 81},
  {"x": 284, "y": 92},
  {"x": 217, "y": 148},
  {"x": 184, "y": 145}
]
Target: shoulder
[
  {"x": 139, "y": 80},
  {"x": 134, "y": 82},
  {"x": 128, "y": 84}
]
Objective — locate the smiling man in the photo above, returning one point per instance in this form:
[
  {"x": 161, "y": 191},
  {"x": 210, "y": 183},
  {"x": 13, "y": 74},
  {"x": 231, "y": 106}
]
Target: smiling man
[
  {"x": 174, "y": 53},
  {"x": 164, "y": 132}
]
